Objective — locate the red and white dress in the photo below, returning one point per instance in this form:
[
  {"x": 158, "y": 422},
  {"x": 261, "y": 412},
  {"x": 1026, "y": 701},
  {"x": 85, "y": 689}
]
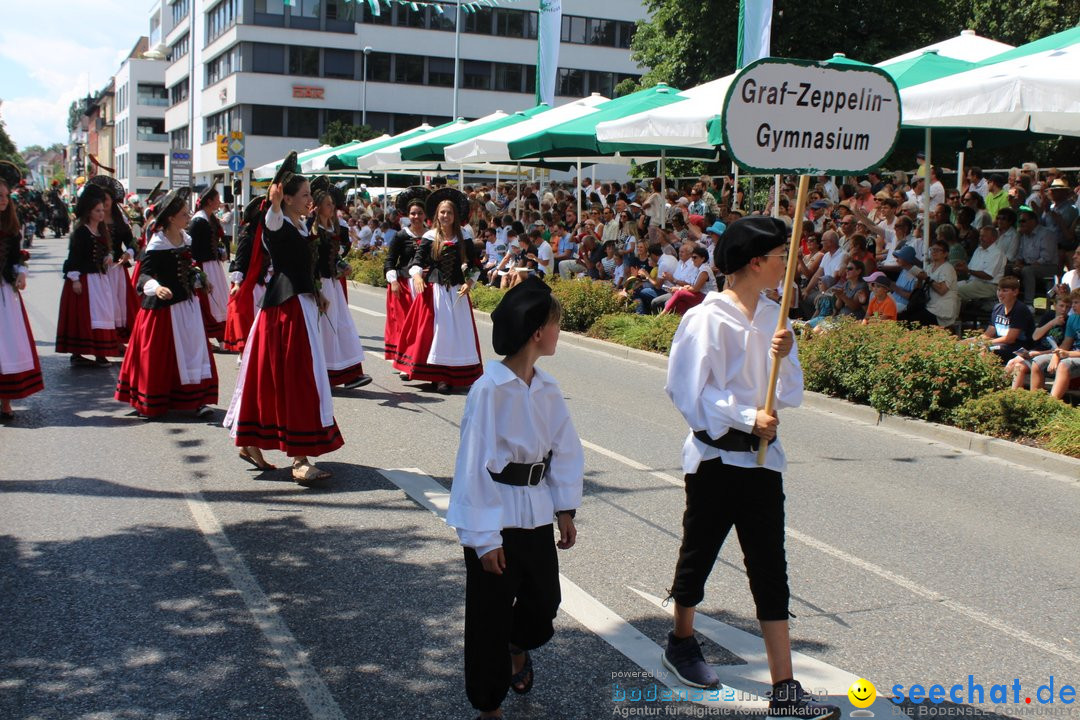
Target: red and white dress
[
  {"x": 282, "y": 399},
  {"x": 210, "y": 254},
  {"x": 337, "y": 331},
  {"x": 20, "y": 371},
  {"x": 168, "y": 364},
  {"x": 125, "y": 297},
  {"x": 87, "y": 322},
  {"x": 250, "y": 253},
  {"x": 438, "y": 340},
  {"x": 399, "y": 254}
]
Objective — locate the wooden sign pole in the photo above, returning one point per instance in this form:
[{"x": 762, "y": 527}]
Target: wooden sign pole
[{"x": 785, "y": 301}]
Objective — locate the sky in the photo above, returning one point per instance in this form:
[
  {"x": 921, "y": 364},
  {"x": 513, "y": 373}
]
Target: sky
[{"x": 54, "y": 51}]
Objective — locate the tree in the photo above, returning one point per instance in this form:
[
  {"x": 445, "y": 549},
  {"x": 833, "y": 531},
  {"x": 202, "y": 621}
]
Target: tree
[
  {"x": 7, "y": 148},
  {"x": 74, "y": 114},
  {"x": 1021, "y": 23},
  {"x": 339, "y": 133}
]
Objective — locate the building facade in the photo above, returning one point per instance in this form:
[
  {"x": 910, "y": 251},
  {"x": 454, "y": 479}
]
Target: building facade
[
  {"x": 140, "y": 138},
  {"x": 281, "y": 74}
]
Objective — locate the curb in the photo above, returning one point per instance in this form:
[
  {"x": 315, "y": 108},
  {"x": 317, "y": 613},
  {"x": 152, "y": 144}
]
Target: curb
[{"x": 1029, "y": 457}]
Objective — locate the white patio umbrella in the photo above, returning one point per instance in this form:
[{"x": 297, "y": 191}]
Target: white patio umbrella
[
  {"x": 682, "y": 124},
  {"x": 965, "y": 46}
]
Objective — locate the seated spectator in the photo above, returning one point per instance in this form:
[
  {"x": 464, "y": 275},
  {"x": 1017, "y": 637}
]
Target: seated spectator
[
  {"x": 852, "y": 294},
  {"x": 683, "y": 274},
  {"x": 966, "y": 232},
  {"x": 1071, "y": 280},
  {"x": 957, "y": 253},
  {"x": 1037, "y": 258},
  {"x": 1011, "y": 324},
  {"x": 609, "y": 264},
  {"x": 649, "y": 284},
  {"x": 942, "y": 302},
  {"x": 881, "y": 306},
  {"x": 539, "y": 254},
  {"x": 1063, "y": 364},
  {"x": 901, "y": 238},
  {"x": 585, "y": 261},
  {"x": 566, "y": 252},
  {"x": 1049, "y": 334},
  {"x": 686, "y": 297},
  {"x": 863, "y": 251},
  {"x": 984, "y": 270},
  {"x": 975, "y": 202},
  {"x": 811, "y": 260}
]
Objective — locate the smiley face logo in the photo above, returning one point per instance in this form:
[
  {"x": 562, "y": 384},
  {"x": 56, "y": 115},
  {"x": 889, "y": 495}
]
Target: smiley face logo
[{"x": 862, "y": 693}]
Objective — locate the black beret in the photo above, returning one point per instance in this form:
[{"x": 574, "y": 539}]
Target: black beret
[
  {"x": 522, "y": 311},
  {"x": 748, "y": 238}
]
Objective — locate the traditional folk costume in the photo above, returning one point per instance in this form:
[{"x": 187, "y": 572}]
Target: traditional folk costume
[
  {"x": 210, "y": 252},
  {"x": 337, "y": 331},
  {"x": 399, "y": 253},
  {"x": 250, "y": 253},
  {"x": 168, "y": 364},
  {"x": 125, "y": 299},
  {"x": 20, "y": 370},
  {"x": 283, "y": 399},
  {"x": 438, "y": 341},
  {"x": 87, "y": 321},
  {"x": 717, "y": 377},
  {"x": 519, "y": 464}
]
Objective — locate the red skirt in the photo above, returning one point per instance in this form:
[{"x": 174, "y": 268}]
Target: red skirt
[
  {"x": 149, "y": 378},
  {"x": 214, "y": 329},
  {"x": 133, "y": 306},
  {"x": 238, "y": 320},
  {"x": 73, "y": 331},
  {"x": 397, "y": 309},
  {"x": 22, "y": 384},
  {"x": 279, "y": 406},
  {"x": 415, "y": 343}
]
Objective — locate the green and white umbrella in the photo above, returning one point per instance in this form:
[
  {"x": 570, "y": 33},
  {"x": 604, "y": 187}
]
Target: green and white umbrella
[
  {"x": 391, "y": 157},
  {"x": 428, "y": 149},
  {"x": 267, "y": 171},
  {"x": 347, "y": 159}
]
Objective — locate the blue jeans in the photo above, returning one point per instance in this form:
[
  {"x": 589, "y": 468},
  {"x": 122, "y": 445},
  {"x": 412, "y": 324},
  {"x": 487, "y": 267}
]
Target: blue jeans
[{"x": 645, "y": 296}]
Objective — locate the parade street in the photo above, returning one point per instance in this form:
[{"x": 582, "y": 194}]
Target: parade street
[{"x": 148, "y": 573}]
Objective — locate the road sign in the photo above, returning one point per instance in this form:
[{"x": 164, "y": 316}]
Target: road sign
[
  {"x": 222, "y": 149},
  {"x": 180, "y": 168},
  {"x": 797, "y": 116},
  {"x": 236, "y": 143},
  {"x": 236, "y": 163}
]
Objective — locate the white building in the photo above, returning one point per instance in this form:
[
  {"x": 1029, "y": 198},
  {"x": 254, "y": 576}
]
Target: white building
[
  {"x": 281, "y": 74},
  {"x": 141, "y": 143}
]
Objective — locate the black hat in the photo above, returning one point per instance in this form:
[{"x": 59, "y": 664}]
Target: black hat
[
  {"x": 321, "y": 186},
  {"x": 171, "y": 204},
  {"x": 210, "y": 189},
  {"x": 438, "y": 182},
  {"x": 90, "y": 196},
  {"x": 289, "y": 167},
  {"x": 460, "y": 200},
  {"x": 10, "y": 173},
  {"x": 409, "y": 196},
  {"x": 155, "y": 193},
  {"x": 110, "y": 185},
  {"x": 748, "y": 238},
  {"x": 523, "y": 310},
  {"x": 253, "y": 209}
]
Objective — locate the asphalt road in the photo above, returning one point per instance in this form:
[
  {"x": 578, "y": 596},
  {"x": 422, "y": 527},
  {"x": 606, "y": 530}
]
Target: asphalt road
[{"x": 145, "y": 572}]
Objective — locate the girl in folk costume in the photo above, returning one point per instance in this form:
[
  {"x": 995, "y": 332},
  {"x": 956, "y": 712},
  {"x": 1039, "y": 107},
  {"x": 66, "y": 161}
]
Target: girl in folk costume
[
  {"x": 399, "y": 254},
  {"x": 438, "y": 341},
  {"x": 337, "y": 332},
  {"x": 282, "y": 399},
  {"x": 247, "y": 286},
  {"x": 168, "y": 365},
  {"x": 87, "y": 322},
  {"x": 210, "y": 254},
  {"x": 20, "y": 371},
  {"x": 147, "y": 229},
  {"x": 125, "y": 300}
]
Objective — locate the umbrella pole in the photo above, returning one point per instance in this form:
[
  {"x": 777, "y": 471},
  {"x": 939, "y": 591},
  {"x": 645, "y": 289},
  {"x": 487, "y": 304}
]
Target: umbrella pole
[
  {"x": 517, "y": 193},
  {"x": 735, "y": 186},
  {"x": 776, "y": 197},
  {"x": 461, "y": 177},
  {"x": 785, "y": 303},
  {"x": 960, "y": 171},
  {"x": 926, "y": 195},
  {"x": 578, "y": 193},
  {"x": 663, "y": 176}
]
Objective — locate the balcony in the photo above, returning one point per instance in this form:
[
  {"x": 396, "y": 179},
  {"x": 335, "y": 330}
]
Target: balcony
[
  {"x": 149, "y": 171},
  {"x": 152, "y": 137},
  {"x": 153, "y": 101}
]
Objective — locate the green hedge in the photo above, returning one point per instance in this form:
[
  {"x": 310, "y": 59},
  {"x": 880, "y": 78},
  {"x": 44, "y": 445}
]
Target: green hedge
[
  {"x": 644, "y": 332},
  {"x": 368, "y": 270},
  {"x": 485, "y": 298},
  {"x": 1023, "y": 415},
  {"x": 583, "y": 301}
]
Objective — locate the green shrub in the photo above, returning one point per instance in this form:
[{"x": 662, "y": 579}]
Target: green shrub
[
  {"x": 583, "y": 301},
  {"x": 368, "y": 270},
  {"x": 920, "y": 372},
  {"x": 485, "y": 298},
  {"x": 644, "y": 332},
  {"x": 1062, "y": 434},
  {"x": 1010, "y": 413}
]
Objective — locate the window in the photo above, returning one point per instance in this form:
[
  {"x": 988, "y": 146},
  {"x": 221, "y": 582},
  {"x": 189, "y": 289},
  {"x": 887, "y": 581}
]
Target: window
[
  {"x": 409, "y": 69},
  {"x": 601, "y": 32},
  {"x": 179, "y": 48},
  {"x": 378, "y": 67},
  {"x": 385, "y": 17},
  {"x": 602, "y": 82},
  {"x": 303, "y": 122},
  {"x": 152, "y": 95},
  {"x": 220, "y": 124},
  {"x": 403, "y": 122},
  {"x": 381, "y": 121},
  {"x": 268, "y": 58},
  {"x": 341, "y": 10},
  {"x": 476, "y": 75},
  {"x": 178, "y": 139},
  {"x": 267, "y": 120},
  {"x": 150, "y": 165},
  {"x": 306, "y": 8},
  {"x": 347, "y": 117},
  {"x": 441, "y": 72},
  {"x": 303, "y": 60},
  {"x": 571, "y": 82},
  {"x": 223, "y": 65},
  {"x": 339, "y": 64},
  {"x": 510, "y": 23},
  {"x": 626, "y": 35},
  {"x": 180, "y": 10},
  {"x": 220, "y": 18},
  {"x": 573, "y": 29},
  {"x": 479, "y": 22},
  {"x": 270, "y": 12},
  {"x": 407, "y": 17},
  {"x": 151, "y": 130},
  {"x": 441, "y": 20},
  {"x": 509, "y": 77}
]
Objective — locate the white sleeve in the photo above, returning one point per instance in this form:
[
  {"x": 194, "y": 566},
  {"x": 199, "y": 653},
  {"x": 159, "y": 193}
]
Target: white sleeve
[
  {"x": 236, "y": 277},
  {"x": 567, "y": 461},
  {"x": 150, "y": 287},
  {"x": 21, "y": 270},
  {"x": 74, "y": 275},
  {"x": 391, "y": 276},
  {"x": 415, "y": 270},
  {"x": 476, "y": 508},
  {"x": 274, "y": 219}
]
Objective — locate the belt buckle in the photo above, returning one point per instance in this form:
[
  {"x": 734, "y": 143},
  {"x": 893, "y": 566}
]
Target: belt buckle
[{"x": 534, "y": 477}]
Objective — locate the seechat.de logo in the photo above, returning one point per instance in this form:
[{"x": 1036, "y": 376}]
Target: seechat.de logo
[{"x": 181, "y": 156}]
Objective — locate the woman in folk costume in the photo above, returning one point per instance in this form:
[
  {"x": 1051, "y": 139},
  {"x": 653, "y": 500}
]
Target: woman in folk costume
[
  {"x": 20, "y": 371},
  {"x": 337, "y": 332},
  {"x": 438, "y": 341},
  {"x": 87, "y": 322},
  {"x": 147, "y": 231},
  {"x": 282, "y": 399},
  {"x": 125, "y": 300},
  {"x": 168, "y": 365},
  {"x": 246, "y": 288},
  {"x": 399, "y": 254},
  {"x": 210, "y": 253}
]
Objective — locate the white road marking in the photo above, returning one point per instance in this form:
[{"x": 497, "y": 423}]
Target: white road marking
[
  {"x": 631, "y": 463},
  {"x": 310, "y": 686},
  {"x": 375, "y": 313}
]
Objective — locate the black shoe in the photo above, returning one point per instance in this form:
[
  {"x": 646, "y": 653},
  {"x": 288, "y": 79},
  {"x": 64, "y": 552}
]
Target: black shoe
[
  {"x": 683, "y": 658},
  {"x": 443, "y": 388},
  {"x": 404, "y": 376},
  {"x": 7, "y": 416},
  {"x": 358, "y": 382},
  {"x": 204, "y": 411},
  {"x": 789, "y": 700}
]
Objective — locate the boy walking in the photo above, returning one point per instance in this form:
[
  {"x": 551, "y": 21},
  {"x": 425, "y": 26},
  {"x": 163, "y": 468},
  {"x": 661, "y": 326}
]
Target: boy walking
[
  {"x": 717, "y": 377},
  {"x": 519, "y": 466}
]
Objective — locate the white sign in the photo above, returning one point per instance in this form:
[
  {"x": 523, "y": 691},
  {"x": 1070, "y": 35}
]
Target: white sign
[{"x": 795, "y": 116}]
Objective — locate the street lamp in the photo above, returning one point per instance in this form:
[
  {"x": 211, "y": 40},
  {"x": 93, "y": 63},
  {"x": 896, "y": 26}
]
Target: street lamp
[{"x": 363, "y": 118}]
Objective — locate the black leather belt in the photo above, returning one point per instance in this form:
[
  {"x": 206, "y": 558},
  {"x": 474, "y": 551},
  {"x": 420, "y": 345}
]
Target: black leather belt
[
  {"x": 732, "y": 441},
  {"x": 523, "y": 474}
]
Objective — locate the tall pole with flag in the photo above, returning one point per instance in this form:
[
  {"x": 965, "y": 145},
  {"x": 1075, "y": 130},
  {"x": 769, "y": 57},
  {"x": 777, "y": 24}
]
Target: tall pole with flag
[
  {"x": 548, "y": 34},
  {"x": 755, "y": 31}
]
